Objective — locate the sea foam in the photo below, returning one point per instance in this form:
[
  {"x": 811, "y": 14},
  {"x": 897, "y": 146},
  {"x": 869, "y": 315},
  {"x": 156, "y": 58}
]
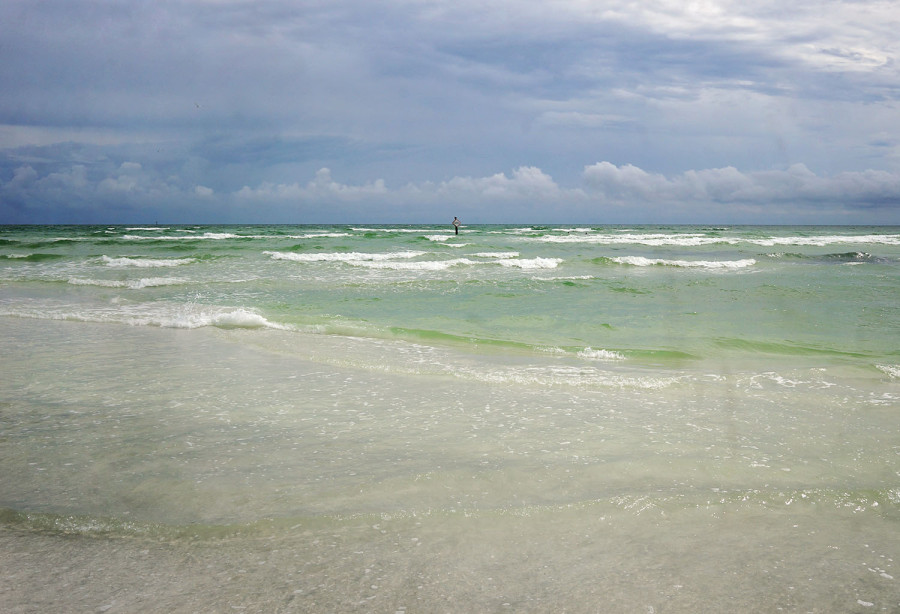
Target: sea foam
[
  {"x": 341, "y": 256},
  {"x": 593, "y": 354},
  {"x": 531, "y": 263},
  {"x": 700, "y": 264},
  {"x": 425, "y": 265},
  {"x": 163, "y": 315},
  {"x": 892, "y": 370},
  {"x": 145, "y": 263},
  {"x": 132, "y": 284},
  {"x": 654, "y": 239}
]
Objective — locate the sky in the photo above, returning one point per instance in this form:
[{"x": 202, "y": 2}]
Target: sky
[{"x": 416, "y": 111}]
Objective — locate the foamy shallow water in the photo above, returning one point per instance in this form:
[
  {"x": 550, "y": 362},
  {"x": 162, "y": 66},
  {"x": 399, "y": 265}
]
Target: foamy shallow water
[{"x": 210, "y": 469}]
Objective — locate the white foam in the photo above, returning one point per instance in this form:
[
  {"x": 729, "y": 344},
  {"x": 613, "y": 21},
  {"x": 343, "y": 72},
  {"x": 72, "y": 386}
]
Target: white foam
[
  {"x": 656, "y": 239},
  {"x": 701, "y": 264},
  {"x": 164, "y": 315},
  {"x": 321, "y": 235},
  {"x": 341, "y": 256},
  {"x": 406, "y": 230},
  {"x": 892, "y": 370},
  {"x": 531, "y": 263},
  {"x": 439, "y": 238},
  {"x": 822, "y": 241},
  {"x": 132, "y": 284},
  {"x": 198, "y": 317},
  {"x": 496, "y": 255},
  {"x": 695, "y": 239},
  {"x": 144, "y": 263},
  {"x": 215, "y": 236},
  {"x": 425, "y": 265},
  {"x": 600, "y": 354}
]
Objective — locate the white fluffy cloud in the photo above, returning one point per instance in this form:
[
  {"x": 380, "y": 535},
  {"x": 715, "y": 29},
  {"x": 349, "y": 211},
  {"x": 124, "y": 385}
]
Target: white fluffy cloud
[{"x": 796, "y": 184}]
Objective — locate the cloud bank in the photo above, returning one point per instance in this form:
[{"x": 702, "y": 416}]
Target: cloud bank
[{"x": 605, "y": 193}]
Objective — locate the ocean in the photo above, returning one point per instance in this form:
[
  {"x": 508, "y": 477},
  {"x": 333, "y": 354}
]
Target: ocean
[{"x": 399, "y": 419}]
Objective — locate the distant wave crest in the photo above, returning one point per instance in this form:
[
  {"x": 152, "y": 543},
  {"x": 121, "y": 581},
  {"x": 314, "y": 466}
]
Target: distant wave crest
[
  {"x": 697, "y": 264},
  {"x": 144, "y": 263}
]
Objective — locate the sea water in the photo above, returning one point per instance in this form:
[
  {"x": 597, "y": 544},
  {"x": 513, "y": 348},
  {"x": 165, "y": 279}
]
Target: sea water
[{"x": 400, "y": 419}]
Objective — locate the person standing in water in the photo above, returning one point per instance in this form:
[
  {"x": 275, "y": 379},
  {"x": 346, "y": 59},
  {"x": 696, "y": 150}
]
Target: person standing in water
[{"x": 456, "y": 224}]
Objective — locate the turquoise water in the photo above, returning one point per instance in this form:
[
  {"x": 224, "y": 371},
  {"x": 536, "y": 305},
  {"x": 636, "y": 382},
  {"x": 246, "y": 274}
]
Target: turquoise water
[
  {"x": 644, "y": 294},
  {"x": 401, "y": 419}
]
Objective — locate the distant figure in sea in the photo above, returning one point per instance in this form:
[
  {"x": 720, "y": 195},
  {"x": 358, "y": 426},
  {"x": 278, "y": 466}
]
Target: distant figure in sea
[{"x": 456, "y": 224}]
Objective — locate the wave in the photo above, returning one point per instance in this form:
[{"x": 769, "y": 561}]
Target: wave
[
  {"x": 441, "y": 265},
  {"x": 627, "y": 500},
  {"x": 892, "y": 370},
  {"x": 640, "y": 261},
  {"x": 701, "y": 239},
  {"x": 654, "y": 239},
  {"x": 593, "y": 354},
  {"x": 398, "y": 230},
  {"x": 826, "y": 240},
  {"x": 786, "y": 348},
  {"x": 321, "y": 235},
  {"x": 162, "y": 315},
  {"x": 214, "y": 236},
  {"x": 393, "y": 260},
  {"x": 838, "y": 257},
  {"x": 438, "y": 337},
  {"x": 424, "y": 265},
  {"x": 131, "y": 284},
  {"x": 56, "y": 241},
  {"x": 34, "y": 257},
  {"x": 144, "y": 263},
  {"x": 531, "y": 263},
  {"x": 342, "y": 256},
  {"x": 504, "y": 255}
]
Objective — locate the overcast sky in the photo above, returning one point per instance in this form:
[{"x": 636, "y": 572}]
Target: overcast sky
[{"x": 521, "y": 111}]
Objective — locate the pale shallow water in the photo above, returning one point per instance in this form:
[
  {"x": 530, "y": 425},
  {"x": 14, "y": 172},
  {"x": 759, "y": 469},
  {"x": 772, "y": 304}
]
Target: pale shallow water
[{"x": 222, "y": 435}]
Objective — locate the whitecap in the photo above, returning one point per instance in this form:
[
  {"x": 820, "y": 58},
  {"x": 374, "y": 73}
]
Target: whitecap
[
  {"x": 600, "y": 354},
  {"x": 701, "y": 264},
  {"x": 216, "y": 236},
  {"x": 144, "y": 263},
  {"x": 531, "y": 263},
  {"x": 425, "y": 265},
  {"x": 892, "y": 370},
  {"x": 341, "y": 256},
  {"x": 822, "y": 241},
  {"x": 505, "y": 255},
  {"x": 655, "y": 239},
  {"x": 132, "y": 284},
  {"x": 404, "y": 230}
]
